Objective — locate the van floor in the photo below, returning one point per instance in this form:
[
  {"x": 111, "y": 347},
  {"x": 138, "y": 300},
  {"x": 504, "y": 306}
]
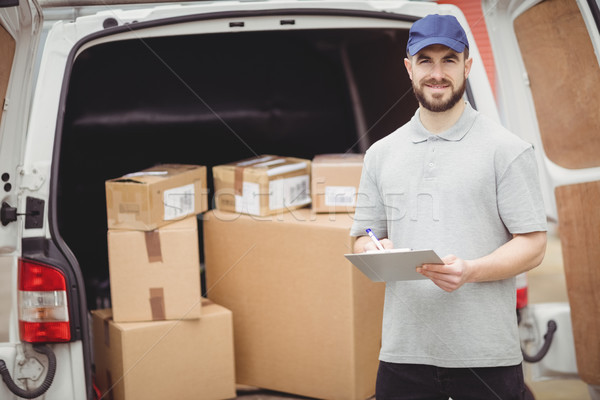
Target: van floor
[{"x": 546, "y": 284}]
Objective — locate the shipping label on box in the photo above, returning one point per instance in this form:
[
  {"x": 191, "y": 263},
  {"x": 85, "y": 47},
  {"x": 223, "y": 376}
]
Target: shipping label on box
[
  {"x": 155, "y": 275},
  {"x": 156, "y": 196},
  {"x": 262, "y": 185},
  {"x": 179, "y": 202},
  {"x": 188, "y": 359},
  {"x": 335, "y": 181}
]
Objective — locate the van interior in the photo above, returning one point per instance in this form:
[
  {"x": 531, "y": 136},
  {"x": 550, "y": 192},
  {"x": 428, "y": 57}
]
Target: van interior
[{"x": 216, "y": 98}]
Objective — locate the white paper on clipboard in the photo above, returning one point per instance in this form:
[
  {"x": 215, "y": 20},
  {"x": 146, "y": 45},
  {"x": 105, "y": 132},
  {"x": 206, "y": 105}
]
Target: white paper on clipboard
[{"x": 393, "y": 265}]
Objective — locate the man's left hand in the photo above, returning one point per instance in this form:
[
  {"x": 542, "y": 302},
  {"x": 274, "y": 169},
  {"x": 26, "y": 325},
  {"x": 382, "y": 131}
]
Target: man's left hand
[{"x": 448, "y": 276}]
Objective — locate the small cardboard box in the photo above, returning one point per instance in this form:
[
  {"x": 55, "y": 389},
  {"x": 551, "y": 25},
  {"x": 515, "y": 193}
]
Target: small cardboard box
[
  {"x": 189, "y": 359},
  {"x": 335, "y": 180},
  {"x": 155, "y": 275},
  {"x": 262, "y": 185},
  {"x": 156, "y": 196},
  {"x": 306, "y": 321}
]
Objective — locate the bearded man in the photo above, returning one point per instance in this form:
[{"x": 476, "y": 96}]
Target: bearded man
[{"x": 455, "y": 181}]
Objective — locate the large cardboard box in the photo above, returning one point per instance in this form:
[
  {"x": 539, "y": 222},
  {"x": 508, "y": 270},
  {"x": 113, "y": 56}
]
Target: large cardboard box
[
  {"x": 262, "y": 185},
  {"x": 306, "y": 321},
  {"x": 155, "y": 275},
  {"x": 335, "y": 180},
  {"x": 156, "y": 196},
  {"x": 188, "y": 359}
]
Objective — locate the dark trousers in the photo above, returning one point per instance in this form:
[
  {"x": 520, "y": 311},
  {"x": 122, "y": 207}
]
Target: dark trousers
[{"x": 426, "y": 382}]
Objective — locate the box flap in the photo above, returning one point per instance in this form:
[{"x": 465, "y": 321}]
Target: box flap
[{"x": 156, "y": 173}]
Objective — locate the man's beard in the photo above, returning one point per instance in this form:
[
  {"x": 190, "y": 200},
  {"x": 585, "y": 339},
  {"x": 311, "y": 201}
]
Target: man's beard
[{"x": 437, "y": 105}]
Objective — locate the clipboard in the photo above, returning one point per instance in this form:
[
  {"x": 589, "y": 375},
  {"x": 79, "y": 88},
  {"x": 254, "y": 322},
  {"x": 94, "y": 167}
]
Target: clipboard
[{"x": 393, "y": 265}]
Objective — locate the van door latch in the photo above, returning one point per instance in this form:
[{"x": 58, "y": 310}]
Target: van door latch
[
  {"x": 34, "y": 213},
  {"x": 8, "y": 214}
]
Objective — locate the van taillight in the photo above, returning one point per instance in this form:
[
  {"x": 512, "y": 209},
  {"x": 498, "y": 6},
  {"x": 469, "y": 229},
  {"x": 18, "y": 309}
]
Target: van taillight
[{"x": 43, "y": 309}]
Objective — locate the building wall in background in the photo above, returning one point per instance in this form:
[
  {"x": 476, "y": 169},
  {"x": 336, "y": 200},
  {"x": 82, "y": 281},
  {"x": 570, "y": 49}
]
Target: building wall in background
[{"x": 474, "y": 14}]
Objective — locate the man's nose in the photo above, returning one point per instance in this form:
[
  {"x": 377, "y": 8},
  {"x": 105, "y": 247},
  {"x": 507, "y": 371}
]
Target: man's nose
[{"x": 437, "y": 71}]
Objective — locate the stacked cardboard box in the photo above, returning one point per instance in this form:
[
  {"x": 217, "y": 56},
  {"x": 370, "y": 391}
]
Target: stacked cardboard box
[
  {"x": 160, "y": 360},
  {"x": 155, "y": 275},
  {"x": 153, "y": 253},
  {"x": 157, "y": 327},
  {"x": 335, "y": 180},
  {"x": 305, "y": 320},
  {"x": 262, "y": 185},
  {"x": 156, "y": 196}
]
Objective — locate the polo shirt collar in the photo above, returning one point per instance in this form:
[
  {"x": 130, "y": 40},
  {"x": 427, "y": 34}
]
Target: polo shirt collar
[{"x": 420, "y": 134}]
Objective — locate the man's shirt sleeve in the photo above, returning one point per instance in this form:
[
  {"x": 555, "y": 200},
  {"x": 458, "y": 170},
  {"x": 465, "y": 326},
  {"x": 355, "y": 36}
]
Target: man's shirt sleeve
[{"x": 519, "y": 196}]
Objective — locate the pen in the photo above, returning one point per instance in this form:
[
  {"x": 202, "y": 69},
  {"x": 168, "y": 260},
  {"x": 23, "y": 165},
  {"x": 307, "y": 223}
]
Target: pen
[{"x": 375, "y": 240}]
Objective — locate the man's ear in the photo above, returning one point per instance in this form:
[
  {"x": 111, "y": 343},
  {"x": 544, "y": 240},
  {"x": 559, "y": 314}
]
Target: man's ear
[
  {"x": 468, "y": 65},
  {"x": 408, "y": 66}
]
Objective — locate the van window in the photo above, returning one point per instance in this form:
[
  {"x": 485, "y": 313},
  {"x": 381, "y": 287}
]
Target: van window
[
  {"x": 564, "y": 74},
  {"x": 7, "y": 54}
]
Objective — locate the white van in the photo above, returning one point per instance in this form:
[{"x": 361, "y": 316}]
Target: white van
[{"x": 92, "y": 92}]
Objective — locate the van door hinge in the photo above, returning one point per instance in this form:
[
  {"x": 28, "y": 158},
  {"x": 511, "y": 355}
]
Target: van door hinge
[
  {"x": 34, "y": 213},
  {"x": 31, "y": 369},
  {"x": 32, "y": 180},
  {"x": 5, "y": 106}
]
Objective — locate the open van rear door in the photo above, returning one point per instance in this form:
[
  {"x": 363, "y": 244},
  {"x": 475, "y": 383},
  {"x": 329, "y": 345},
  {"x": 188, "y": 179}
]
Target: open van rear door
[
  {"x": 20, "y": 23},
  {"x": 548, "y": 64}
]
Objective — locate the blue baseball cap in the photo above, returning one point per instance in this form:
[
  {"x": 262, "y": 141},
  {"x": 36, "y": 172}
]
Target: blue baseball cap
[{"x": 436, "y": 29}]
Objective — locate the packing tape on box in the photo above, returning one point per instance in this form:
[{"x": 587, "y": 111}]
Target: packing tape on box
[
  {"x": 238, "y": 173},
  {"x": 157, "y": 304},
  {"x": 153, "y": 246},
  {"x": 266, "y": 161},
  {"x": 238, "y": 181}
]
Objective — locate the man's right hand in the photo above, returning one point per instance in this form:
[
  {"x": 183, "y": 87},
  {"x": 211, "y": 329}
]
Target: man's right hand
[{"x": 364, "y": 243}]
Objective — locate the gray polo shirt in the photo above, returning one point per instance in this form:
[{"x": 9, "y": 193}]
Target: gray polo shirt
[{"x": 465, "y": 192}]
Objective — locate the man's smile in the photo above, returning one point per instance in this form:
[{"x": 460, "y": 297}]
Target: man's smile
[{"x": 437, "y": 85}]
